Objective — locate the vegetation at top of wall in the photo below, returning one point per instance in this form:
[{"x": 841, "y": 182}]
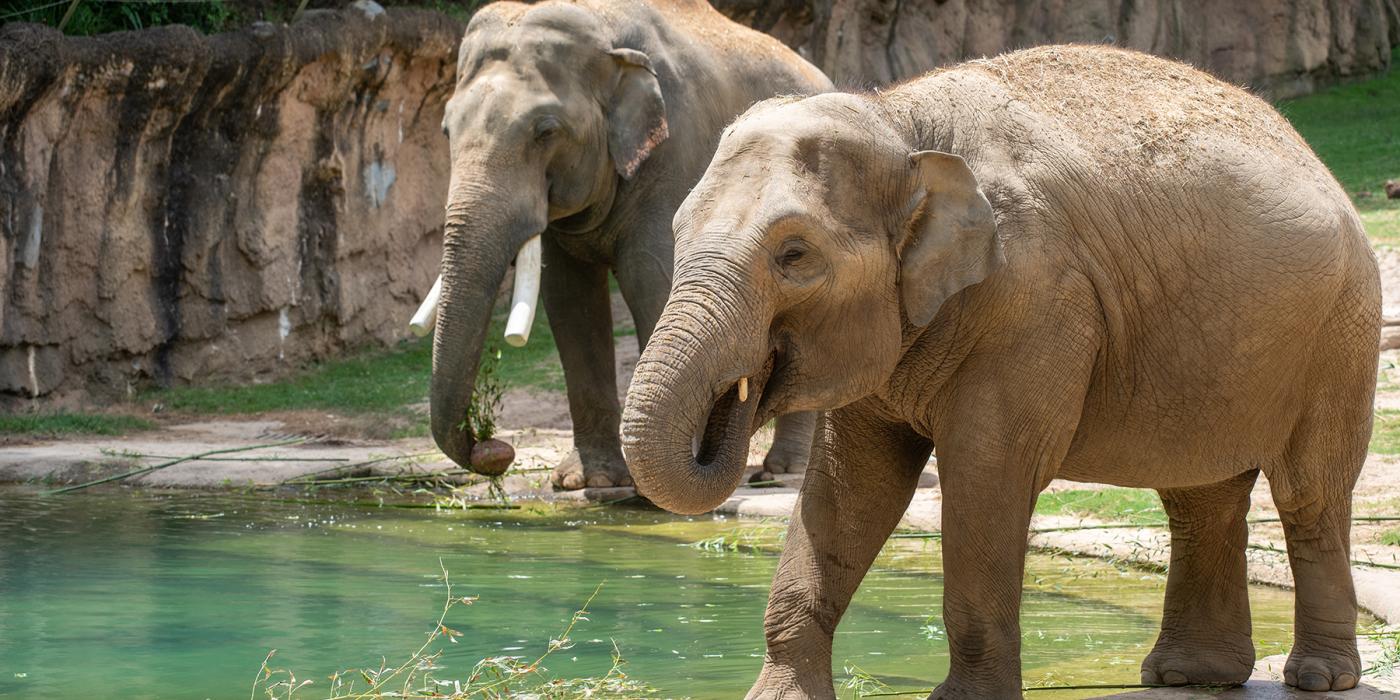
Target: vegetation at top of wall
[
  {"x": 1132, "y": 506},
  {"x": 90, "y": 17},
  {"x": 1355, "y": 130},
  {"x": 63, "y": 424}
]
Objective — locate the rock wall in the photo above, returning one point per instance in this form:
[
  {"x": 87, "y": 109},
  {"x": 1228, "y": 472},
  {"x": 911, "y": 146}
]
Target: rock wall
[
  {"x": 1280, "y": 48},
  {"x": 177, "y": 207}
]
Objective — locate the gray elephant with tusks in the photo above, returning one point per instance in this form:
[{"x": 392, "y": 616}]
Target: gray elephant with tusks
[
  {"x": 576, "y": 130},
  {"x": 1067, "y": 262}
]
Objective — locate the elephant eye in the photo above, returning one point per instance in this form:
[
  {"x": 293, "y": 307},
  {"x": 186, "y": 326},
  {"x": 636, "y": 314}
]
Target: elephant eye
[
  {"x": 547, "y": 128},
  {"x": 791, "y": 254}
]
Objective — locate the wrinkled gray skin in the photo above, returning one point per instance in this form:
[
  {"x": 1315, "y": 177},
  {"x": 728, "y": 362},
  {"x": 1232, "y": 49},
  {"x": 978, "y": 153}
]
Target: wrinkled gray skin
[
  {"x": 588, "y": 123},
  {"x": 1068, "y": 262}
]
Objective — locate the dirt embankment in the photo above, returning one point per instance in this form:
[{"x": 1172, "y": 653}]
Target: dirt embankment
[
  {"x": 175, "y": 207},
  {"x": 1281, "y": 48}
]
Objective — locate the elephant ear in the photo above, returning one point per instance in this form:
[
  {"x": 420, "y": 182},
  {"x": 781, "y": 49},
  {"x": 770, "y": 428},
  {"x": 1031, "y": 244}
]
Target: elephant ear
[
  {"x": 637, "y": 115},
  {"x": 951, "y": 240}
]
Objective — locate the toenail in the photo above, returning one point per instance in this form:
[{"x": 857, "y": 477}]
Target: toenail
[
  {"x": 1314, "y": 681},
  {"x": 1173, "y": 678},
  {"x": 1344, "y": 681}
]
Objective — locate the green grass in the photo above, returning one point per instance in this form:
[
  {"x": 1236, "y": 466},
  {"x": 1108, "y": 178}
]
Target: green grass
[
  {"x": 1355, "y": 130},
  {"x": 1385, "y": 432},
  {"x": 65, "y": 424},
  {"x": 1111, "y": 504},
  {"x": 381, "y": 382},
  {"x": 1391, "y": 537}
]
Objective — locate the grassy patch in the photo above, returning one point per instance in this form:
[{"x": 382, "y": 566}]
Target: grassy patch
[
  {"x": 1112, "y": 504},
  {"x": 1355, "y": 130},
  {"x": 61, "y": 424},
  {"x": 1385, "y": 432},
  {"x": 384, "y": 382},
  {"x": 1391, "y": 537}
]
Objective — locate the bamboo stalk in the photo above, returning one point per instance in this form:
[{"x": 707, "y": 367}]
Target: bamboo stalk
[
  {"x": 142, "y": 455},
  {"x": 1086, "y": 686},
  {"x": 418, "y": 476},
  {"x": 355, "y": 465},
  {"x": 170, "y": 463},
  {"x": 1354, "y": 562},
  {"x": 68, "y": 15}
]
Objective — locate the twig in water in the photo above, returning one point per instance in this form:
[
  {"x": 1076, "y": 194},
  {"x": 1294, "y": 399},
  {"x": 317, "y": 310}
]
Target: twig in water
[{"x": 170, "y": 463}]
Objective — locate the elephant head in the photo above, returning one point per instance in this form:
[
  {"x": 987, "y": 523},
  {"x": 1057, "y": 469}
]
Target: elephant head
[
  {"x": 546, "y": 117},
  {"x": 815, "y": 242}
]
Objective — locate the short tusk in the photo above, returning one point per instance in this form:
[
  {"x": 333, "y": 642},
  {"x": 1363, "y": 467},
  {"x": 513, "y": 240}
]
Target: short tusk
[
  {"x": 743, "y": 389},
  {"x": 426, "y": 318},
  {"x": 526, "y": 293}
]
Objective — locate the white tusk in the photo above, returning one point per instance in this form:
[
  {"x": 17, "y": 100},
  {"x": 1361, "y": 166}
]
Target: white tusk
[
  {"x": 426, "y": 318},
  {"x": 526, "y": 293},
  {"x": 743, "y": 389}
]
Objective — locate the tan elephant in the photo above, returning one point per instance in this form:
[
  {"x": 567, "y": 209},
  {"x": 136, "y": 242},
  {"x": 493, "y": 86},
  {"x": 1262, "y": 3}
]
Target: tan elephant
[
  {"x": 576, "y": 129},
  {"x": 1067, "y": 262}
]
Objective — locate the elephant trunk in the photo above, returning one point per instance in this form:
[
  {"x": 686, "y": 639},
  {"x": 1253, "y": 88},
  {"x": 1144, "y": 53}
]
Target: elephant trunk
[
  {"x": 692, "y": 403},
  {"x": 482, "y": 235}
]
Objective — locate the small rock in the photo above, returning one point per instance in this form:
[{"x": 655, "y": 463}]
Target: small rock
[
  {"x": 492, "y": 457},
  {"x": 1390, "y": 337},
  {"x": 1392, "y": 189}
]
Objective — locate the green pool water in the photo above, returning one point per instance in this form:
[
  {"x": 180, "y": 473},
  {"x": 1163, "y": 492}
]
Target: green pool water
[{"x": 155, "y": 595}]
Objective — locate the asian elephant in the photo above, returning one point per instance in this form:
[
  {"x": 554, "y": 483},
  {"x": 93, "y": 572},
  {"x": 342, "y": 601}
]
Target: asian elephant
[
  {"x": 586, "y": 123},
  {"x": 1066, "y": 262}
]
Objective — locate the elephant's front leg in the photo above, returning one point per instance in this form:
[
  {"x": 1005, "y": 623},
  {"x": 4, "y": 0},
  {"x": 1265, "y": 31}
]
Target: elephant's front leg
[
  {"x": 580, "y": 315},
  {"x": 862, "y": 475},
  {"x": 995, "y": 454}
]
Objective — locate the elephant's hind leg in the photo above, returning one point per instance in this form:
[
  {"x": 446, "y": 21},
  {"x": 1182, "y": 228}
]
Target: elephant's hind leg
[
  {"x": 1312, "y": 484},
  {"x": 792, "y": 445},
  {"x": 1313, "y": 494},
  {"x": 1205, "y": 635},
  {"x": 861, "y": 479}
]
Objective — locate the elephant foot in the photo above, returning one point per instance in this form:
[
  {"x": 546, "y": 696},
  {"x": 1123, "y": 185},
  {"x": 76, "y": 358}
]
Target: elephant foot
[
  {"x": 578, "y": 471},
  {"x": 780, "y": 461},
  {"x": 1198, "y": 663},
  {"x": 954, "y": 690},
  {"x": 782, "y": 683},
  {"x": 1328, "y": 664}
]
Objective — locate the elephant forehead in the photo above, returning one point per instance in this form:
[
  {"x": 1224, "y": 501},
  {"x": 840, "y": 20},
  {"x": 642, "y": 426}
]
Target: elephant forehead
[{"x": 546, "y": 36}]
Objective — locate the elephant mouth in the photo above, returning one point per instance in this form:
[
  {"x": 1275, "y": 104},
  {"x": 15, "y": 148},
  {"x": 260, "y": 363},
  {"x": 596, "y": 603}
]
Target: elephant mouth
[{"x": 731, "y": 422}]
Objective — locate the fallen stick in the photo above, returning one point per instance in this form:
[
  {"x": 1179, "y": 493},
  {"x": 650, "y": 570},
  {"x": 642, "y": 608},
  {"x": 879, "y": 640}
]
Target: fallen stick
[
  {"x": 1090, "y": 686},
  {"x": 171, "y": 463},
  {"x": 142, "y": 455},
  {"x": 354, "y": 465},
  {"x": 417, "y": 476}
]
